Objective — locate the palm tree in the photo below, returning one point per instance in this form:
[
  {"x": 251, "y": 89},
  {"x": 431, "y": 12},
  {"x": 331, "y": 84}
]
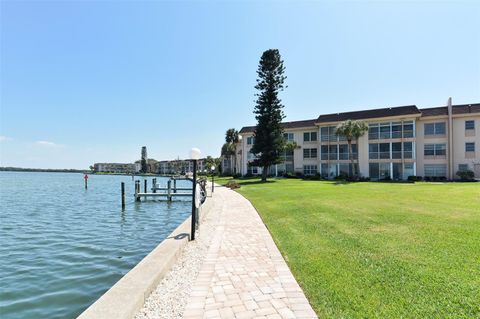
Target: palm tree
[
  {"x": 229, "y": 148},
  {"x": 351, "y": 130}
]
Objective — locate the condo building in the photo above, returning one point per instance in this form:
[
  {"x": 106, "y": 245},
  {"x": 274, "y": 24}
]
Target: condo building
[{"x": 401, "y": 142}]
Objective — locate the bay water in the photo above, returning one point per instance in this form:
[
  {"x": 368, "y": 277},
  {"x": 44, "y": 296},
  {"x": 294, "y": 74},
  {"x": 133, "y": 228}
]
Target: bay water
[{"x": 62, "y": 246}]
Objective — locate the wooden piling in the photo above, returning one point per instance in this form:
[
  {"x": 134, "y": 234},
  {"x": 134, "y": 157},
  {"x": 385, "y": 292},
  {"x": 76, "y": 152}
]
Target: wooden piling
[
  {"x": 137, "y": 190},
  {"x": 154, "y": 185},
  {"x": 174, "y": 185},
  {"x": 123, "y": 195},
  {"x": 169, "y": 191}
]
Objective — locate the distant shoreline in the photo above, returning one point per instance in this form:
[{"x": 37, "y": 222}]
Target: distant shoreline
[
  {"x": 45, "y": 170},
  {"x": 59, "y": 170}
]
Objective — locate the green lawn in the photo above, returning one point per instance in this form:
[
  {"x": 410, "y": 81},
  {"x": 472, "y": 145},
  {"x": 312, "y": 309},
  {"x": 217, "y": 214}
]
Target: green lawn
[{"x": 377, "y": 250}]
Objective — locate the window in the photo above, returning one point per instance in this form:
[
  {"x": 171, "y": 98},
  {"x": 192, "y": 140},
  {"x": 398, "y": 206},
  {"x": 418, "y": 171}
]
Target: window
[
  {"x": 331, "y": 132},
  {"x": 343, "y": 152},
  {"x": 463, "y": 167},
  {"x": 250, "y": 140},
  {"x": 384, "y": 149},
  {"x": 309, "y": 153},
  {"x": 407, "y": 149},
  {"x": 373, "y": 151},
  {"x": 396, "y": 130},
  {"x": 435, "y": 150},
  {"x": 397, "y": 150},
  {"x": 332, "y": 152},
  {"x": 288, "y": 136},
  {"x": 469, "y": 147},
  {"x": 397, "y": 172},
  {"x": 309, "y": 170},
  {"x": 379, "y": 171},
  {"x": 373, "y": 168},
  {"x": 373, "y": 131},
  {"x": 324, "y": 152},
  {"x": 408, "y": 130},
  {"x": 435, "y": 128},
  {"x": 470, "y": 125},
  {"x": 287, "y": 156},
  {"x": 385, "y": 130},
  {"x": 324, "y": 134},
  {"x": 309, "y": 136},
  {"x": 435, "y": 170},
  {"x": 329, "y": 170},
  {"x": 345, "y": 169}
]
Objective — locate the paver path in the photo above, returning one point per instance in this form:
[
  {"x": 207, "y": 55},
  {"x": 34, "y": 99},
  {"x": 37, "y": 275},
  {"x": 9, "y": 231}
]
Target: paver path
[{"x": 244, "y": 275}]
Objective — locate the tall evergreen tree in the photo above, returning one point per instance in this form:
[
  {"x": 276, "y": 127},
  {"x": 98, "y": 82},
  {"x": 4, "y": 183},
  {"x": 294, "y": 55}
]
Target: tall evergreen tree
[{"x": 269, "y": 141}]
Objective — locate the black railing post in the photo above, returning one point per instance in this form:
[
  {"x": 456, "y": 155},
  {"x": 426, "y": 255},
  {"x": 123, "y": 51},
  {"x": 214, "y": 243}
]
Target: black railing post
[{"x": 194, "y": 207}]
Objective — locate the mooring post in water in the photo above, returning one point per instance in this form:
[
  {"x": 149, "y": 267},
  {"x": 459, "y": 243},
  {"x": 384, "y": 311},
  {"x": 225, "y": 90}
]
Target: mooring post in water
[
  {"x": 154, "y": 185},
  {"x": 86, "y": 181},
  {"x": 174, "y": 185},
  {"x": 169, "y": 190},
  {"x": 123, "y": 195},
  {"x": 145, "y": 185},
  {"x": 137, "y": 190}
]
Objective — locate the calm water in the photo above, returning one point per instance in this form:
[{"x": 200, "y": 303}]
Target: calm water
[{"x": 62, "y": 247}]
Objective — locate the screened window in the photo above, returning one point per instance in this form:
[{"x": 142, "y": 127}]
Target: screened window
[
  {"x": 463, "y": 167},
  {"x": 435, "y": 128},
  {"x": 250, "y": 140},
  {"x": 396, "y": 130},
  {"x": 288, "y": 136},
  {"x": 324, "y": 152},
  {"x": 332, "y": 152},
  {"x": 397, "y": 150},
  {"x": 343, "y": 152},
  {"x": 373, "y": 151},
  {"x": 469, "y": 147},
  {"x": 408, "y": 130},
  {"x": 324, "y": 134},
  {"x": 373, "y": 130},
  {"x": 470, "y": 125},
  {"x": 385, "y": 130},
  {"x": 435, "y": 150},
  {"x": 309, "y": 153},
  {"x": 435, "y": 170},
  {"x": 309, "y": 136},
  {"x": 407, "y": 149},
  {"x": 331, "y": 133},
  {"x": 309, "y": 170},
  {"x": 384, "y": 150}
]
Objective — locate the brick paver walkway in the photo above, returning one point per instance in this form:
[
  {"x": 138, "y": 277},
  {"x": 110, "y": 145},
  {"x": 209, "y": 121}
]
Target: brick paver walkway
[{"x": 244, "y": 275}]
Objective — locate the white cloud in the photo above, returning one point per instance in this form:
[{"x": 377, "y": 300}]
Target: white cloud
[
  {"x": 5, "y": 138},
  {"x": 47, "y": 144}
]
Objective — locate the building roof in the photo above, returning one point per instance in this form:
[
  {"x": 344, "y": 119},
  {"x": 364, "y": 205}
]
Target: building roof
[
  {"x": 434, "y": 111},
  {"x": 368, "y": 114},
  {"x": 456, "y": 109},
  {"x": 284, "y": 125}
]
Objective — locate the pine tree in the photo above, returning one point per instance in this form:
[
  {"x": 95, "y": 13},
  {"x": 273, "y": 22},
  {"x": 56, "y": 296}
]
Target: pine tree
[{"x": 269, "y": 141}]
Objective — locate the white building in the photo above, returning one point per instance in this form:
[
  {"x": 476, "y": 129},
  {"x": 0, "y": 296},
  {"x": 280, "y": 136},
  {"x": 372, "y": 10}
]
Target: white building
[{"x": 401, "y": 142}]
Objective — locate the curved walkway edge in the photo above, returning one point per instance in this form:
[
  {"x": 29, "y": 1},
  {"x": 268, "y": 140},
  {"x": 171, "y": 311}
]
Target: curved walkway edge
[{"x": 244, "y": 274}]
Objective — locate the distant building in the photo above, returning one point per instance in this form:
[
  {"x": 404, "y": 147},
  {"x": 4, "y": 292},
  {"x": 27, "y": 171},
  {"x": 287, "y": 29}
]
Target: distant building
[
  {"x": 179, "y": 166},
  {"x": 120, "y": 168}
]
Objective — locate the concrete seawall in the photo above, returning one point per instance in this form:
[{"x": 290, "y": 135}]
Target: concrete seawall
[{"x": 128, "y": 295}]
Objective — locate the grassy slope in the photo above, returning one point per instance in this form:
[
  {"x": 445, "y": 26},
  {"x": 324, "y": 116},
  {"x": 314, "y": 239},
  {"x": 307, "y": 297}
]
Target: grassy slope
[{"x": 377, "y": 250}]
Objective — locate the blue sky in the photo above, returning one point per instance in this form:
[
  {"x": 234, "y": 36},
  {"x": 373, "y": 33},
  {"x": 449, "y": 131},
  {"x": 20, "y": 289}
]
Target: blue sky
[{"x": 86, "y": 81}]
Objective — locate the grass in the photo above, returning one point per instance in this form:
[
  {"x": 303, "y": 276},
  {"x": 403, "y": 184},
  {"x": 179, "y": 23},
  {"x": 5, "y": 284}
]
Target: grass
[{"x": 377, "y": 250}]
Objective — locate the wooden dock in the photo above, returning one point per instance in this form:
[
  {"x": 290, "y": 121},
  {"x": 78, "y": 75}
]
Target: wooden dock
[{"x": 168, "y": 192}]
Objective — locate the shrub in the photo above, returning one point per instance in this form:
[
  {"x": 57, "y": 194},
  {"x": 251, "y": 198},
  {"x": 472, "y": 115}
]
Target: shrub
[
  {"x": 232, "y": 185},
  {"x": 289, "y": 175},
  {"x": 414, "y": 178},
  {"x": 466, "y": 175},
  {"x": 298, "y": 174}
]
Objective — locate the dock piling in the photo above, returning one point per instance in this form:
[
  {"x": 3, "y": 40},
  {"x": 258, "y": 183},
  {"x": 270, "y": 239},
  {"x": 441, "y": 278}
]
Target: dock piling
[
  {"x": 123, "y": 195},
  {"x": 169, "y": 190}
]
